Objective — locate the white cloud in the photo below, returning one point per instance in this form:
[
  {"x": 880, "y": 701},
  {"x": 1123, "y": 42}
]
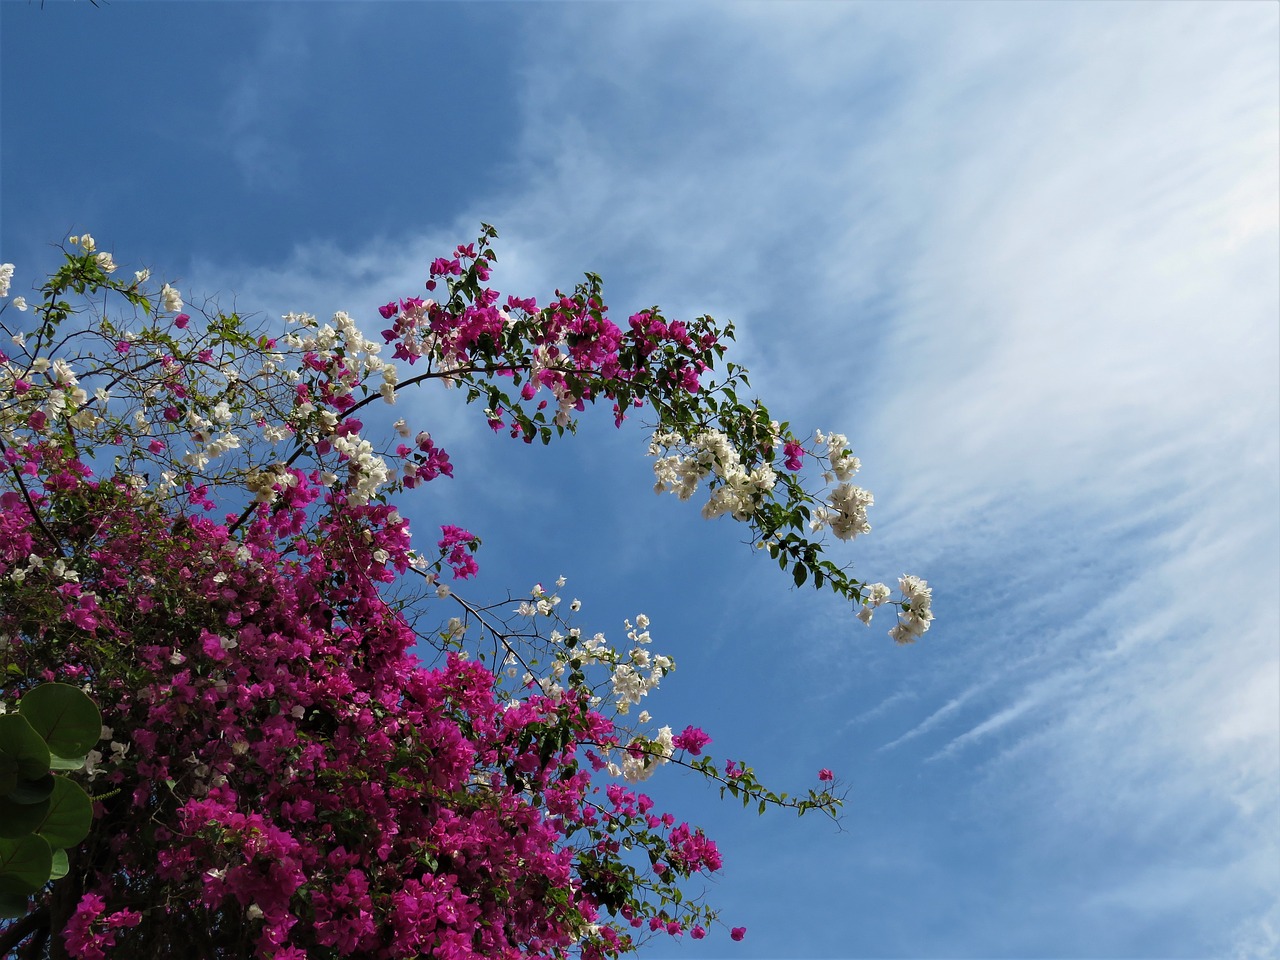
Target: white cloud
[
  {"x": 263, "y": 81},
  {"x": 937, "y": 716},
  {"x": 1092, "y": 326},
  {"x": 885, "y": 706}
]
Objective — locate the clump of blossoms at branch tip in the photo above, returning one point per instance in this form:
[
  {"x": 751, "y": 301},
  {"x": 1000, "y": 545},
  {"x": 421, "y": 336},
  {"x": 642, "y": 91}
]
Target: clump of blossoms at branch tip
[{"x": 315, "y": 747}]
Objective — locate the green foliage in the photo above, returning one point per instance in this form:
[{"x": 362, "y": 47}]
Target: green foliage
[
  {"x": 65, "y": 717},
  {"x": 42, "y": 813}
]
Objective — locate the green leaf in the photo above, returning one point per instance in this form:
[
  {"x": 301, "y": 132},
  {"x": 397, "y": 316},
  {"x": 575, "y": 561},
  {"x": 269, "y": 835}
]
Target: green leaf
[
  {"x": 70, "y": 814},
  {"x": 33, "y": 791},
  {"x": 13, "y": 905},
  {"x": 8, "y": 774},
  {"x": 19, "y": 819},
  {"x": 65, "y": 716},
  {"x": 61, "y": 866},
  {"x": 25, "y": 864},
  {"x": 20, "y": 741},
  {"x": 800, "y": 572}
]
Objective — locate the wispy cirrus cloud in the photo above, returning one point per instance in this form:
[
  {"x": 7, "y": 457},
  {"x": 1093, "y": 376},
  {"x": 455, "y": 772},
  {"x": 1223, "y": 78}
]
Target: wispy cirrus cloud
[{"x": 264, "y": 81}]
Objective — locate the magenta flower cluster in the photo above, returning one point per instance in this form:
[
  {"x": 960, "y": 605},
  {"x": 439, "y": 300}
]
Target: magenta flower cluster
[{"x": 206, "y": 544}]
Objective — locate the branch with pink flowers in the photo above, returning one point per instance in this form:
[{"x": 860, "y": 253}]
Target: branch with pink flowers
[{"x": 198, "y": 531}]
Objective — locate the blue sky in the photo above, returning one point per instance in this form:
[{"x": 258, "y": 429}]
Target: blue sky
[{"x": 1024, "y": 255}]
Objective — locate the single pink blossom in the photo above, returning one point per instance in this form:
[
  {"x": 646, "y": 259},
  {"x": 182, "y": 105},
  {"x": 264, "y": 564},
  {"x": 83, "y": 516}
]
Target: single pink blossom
[
  {"x": 691, "y": 739},
  {"x": 795, "y": 454}
]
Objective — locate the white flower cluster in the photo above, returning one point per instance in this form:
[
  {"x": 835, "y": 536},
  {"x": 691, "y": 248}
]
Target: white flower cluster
[
  {"x": 710, "y": 452},
  {"x": 89, "y": 245},
  {"x": 359, "y": 354},
  {"x": 170, "y": 299},
  {"x": 368, "y": 470},
  {"x": 641, "y": 672},
  {"x": 916, "y": 613},
  {"x": 845, "y": 513},
  {"x": 204, "y": 778},
  {"x": 877, "y": 594},
  {"x": 66, "y": 395},
  {"x": 58, "y": 395},
  {"x": 207, "y": 447},
  {"x": 843, "y": 463},
  {"x": 651, "y": 754},
  {"x": 6, "y": 277},
  {"x": 585, "y": 652},
  {"x": 117, "y": 750},
  {"x": 59, "y": 569},
  {"x": 264, "y": 484},
  {"x": 631, "y": 675},
  {"x": 390, "y": 379},
  {"x": 846, "y": 509},
  {"x": 540, "y": 604},
  {"x": 352, "y": 357}
]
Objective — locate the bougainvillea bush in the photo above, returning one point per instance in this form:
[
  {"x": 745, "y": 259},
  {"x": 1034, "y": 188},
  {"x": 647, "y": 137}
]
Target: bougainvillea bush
[{"x": 199, "y": 531}]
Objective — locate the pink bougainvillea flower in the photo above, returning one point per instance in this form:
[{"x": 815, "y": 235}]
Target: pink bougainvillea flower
[
  {"x": 794, "y": 453},
  {"x": 691, "y": 739}
]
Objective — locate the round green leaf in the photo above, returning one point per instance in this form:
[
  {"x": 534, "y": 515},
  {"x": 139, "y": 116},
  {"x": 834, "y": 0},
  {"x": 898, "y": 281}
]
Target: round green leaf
[
  {"x": 20, "y": 742},
  {"x": 8, "y": 774},
  {"x": 13, "y": 905},
  {"x": 70, "y": 814},
  {"x": 25, "y": 864},
  {"x": 65, "y": 716},
  {"x": 61, "y": 865},
  {"x": 32, "y": 791},
  {"x": 17, "y": 819}
]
